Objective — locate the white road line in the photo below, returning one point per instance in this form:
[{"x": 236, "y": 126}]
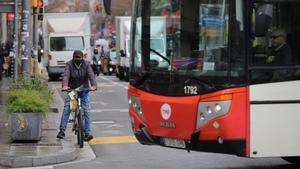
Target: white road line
[
  {"x": 115, "y": 83},
  {"x": 96, "y": 103},
  {"x": 103, "y": 122},
  {"x": 108, "y": 110}
]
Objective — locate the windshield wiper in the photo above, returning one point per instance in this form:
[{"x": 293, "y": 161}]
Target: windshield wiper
[{"x": 160, "y": 55}]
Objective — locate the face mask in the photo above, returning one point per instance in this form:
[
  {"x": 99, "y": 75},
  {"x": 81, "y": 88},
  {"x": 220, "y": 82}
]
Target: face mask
[{"x": 77, "y": 61}]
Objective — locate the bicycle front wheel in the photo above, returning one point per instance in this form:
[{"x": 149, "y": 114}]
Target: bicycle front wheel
[{"x": 80, "y": 133}]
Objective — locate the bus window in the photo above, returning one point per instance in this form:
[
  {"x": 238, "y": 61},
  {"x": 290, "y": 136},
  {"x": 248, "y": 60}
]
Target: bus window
[
  {"x": 137, "y": 51},
  {"x": 164, "y": 32},
  {"x": 213, "y": 34},
  {"x": 275, "y": 53}
]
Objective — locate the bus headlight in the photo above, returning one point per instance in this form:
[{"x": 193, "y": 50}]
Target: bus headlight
[
  {"x": 218, "y": 108},
  {"x": 135, "y": 105},
  {"x": 129, "y": 101},
  {"x": 211, "y": 110},
  {"x": 202, "y": 117}
]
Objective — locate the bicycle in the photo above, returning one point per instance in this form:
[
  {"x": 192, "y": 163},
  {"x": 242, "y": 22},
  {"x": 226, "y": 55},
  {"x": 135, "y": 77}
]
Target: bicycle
[{"x": 76, "y": 108}]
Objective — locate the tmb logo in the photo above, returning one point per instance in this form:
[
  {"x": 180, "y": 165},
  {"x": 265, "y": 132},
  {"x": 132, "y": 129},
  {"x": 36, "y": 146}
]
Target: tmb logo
[{"x": 165, "y": 111}]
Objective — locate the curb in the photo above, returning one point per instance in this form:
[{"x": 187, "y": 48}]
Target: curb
[{"x": 69, "y": 153}]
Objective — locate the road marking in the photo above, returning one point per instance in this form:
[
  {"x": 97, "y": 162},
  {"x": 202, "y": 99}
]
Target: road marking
[
  {"x": 105, "y": 85},
  {"x": 97, "y": 103},
  {"x": 113, "y": 140},
  {"x": 108, "y": 110},
  {"x": 103, "y": 122},
  {"x": 115, "y": 83}
]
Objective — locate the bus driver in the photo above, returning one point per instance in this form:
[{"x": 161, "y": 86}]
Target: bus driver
[{"x": 280, "y": 51}]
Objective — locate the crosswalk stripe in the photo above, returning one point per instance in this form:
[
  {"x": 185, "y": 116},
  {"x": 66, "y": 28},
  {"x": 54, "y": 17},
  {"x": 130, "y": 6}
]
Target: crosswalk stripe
[{"x": 113, "y": 140}]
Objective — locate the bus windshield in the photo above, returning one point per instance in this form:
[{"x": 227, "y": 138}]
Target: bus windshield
[{"x": 188, "y": 52}]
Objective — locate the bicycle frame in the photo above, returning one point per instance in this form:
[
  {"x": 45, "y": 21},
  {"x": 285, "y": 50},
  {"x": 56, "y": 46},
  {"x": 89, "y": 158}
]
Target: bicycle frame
[{"x": 79, "y": 117}]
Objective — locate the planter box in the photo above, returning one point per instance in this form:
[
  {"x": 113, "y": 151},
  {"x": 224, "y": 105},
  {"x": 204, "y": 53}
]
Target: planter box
[{"x": 25, "y": 126}]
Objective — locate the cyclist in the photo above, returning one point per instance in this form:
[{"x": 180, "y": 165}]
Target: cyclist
[{"x": 78, "y": 72}]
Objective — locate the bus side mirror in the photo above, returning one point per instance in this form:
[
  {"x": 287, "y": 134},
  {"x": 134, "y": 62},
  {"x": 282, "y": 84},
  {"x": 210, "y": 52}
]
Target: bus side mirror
[{"x": 263, "y": 19}]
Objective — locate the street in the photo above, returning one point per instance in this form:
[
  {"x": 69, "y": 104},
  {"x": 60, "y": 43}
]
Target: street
[
  {"x": 116, "y": 148},
  {"x": 206, "y": 76}
]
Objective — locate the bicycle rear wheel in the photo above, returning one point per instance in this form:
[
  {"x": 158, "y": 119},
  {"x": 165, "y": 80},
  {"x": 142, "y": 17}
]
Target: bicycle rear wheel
[{"x": 80, "y": 134}]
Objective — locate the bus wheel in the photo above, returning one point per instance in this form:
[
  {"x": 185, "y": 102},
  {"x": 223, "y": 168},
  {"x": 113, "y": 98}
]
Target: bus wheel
[{"x": 294, "y": 160}]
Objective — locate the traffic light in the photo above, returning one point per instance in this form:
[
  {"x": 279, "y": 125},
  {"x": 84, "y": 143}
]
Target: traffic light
[
  {"x": 98, "y": 6},
  {"x": 109, "y": 26},
  {"x": 34, "y": 3},
  {"x": 40, "y": 5}
]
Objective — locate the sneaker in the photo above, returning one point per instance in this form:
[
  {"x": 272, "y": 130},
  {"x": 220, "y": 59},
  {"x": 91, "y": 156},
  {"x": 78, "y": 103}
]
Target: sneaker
[
  {"x": 88, "y": 137},
  {"x": 61, "y": 134}
]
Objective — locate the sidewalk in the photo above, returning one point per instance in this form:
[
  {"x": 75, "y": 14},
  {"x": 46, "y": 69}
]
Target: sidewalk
[{"x": 47, "y": 151}]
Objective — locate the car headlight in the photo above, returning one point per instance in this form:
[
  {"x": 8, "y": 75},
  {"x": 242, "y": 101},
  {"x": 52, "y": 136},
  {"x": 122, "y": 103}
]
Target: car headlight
[
  {"x": 135, "y": 105},
  {"x": 211, "y": 110}
]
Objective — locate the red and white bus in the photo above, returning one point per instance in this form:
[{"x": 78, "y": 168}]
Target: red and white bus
[{"x": 226, "y": 79}]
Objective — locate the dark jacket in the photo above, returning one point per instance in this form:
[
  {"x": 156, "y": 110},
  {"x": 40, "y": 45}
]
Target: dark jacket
[
  {"x": 75, "y": 77},
  {"x": 283, "y": 55}
]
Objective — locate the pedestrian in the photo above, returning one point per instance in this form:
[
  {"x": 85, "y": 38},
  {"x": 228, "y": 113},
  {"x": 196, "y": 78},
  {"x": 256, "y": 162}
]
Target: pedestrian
[
  {"x": 78, "y": 72},
  {"x": 104, "y": 60},
  {"x": 2, "y": 53},
  {"x": 5, "y": 53},
  {"x": 122, "y": 53}
]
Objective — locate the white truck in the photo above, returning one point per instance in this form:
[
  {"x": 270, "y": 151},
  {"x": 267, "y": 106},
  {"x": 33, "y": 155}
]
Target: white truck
[
  {"x": 123, "y": 24},
  {"x": 63, "y": 33}
]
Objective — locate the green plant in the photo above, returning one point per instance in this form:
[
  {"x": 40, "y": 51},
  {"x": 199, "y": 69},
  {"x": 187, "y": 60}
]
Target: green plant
[
  {"x": 31, "y": 84},
  {"x": 27, "y": 96}
]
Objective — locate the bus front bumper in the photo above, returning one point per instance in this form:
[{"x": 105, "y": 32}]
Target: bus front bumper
[{"x": 236, "y": 147}]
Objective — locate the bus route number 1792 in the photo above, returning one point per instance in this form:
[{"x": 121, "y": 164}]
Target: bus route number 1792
[{"x": 190, "y": 90}]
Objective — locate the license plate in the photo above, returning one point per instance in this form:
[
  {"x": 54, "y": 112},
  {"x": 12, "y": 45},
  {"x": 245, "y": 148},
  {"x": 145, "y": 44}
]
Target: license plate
[{"x": 174, "y": 143}]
